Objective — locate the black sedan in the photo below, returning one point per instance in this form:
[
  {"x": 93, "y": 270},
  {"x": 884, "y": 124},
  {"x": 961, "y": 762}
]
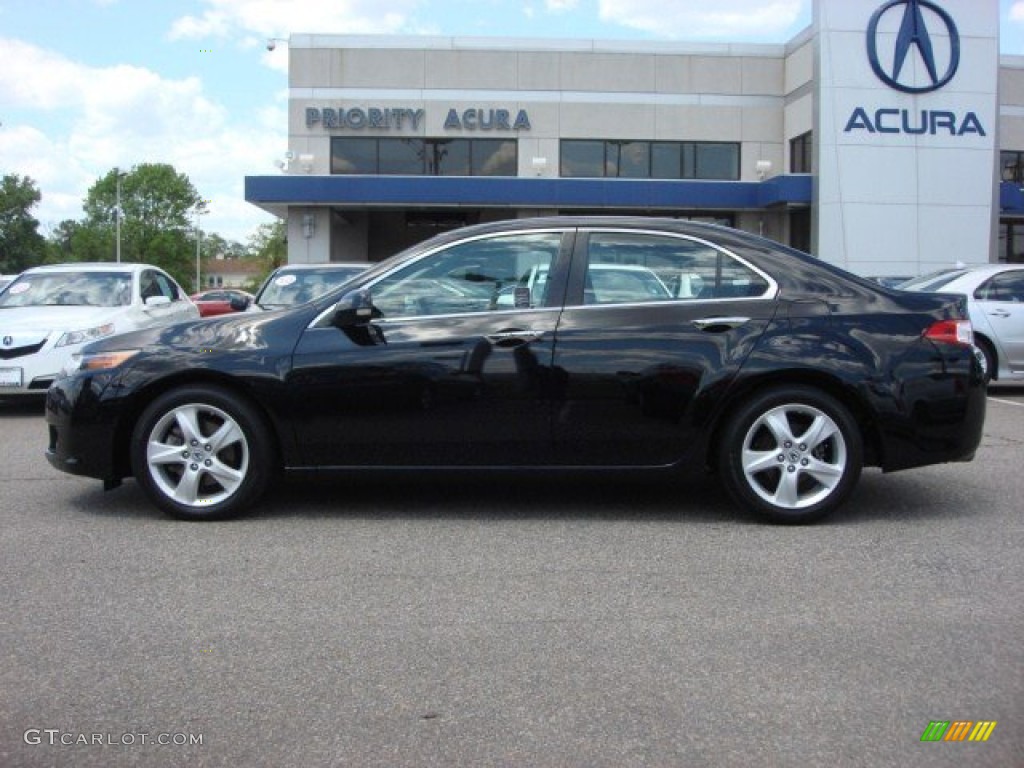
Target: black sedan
[{"x": 546, "y": 344}]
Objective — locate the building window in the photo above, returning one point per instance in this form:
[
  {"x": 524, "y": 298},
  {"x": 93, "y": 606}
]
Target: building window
[
  {"x": 800, "y": 151},
  {"x": 1011, "y": 242},
  {"x": 589, "y": 158},
  {"x": 424, "y": 157},
  {"x": 1012, "y": 167}
]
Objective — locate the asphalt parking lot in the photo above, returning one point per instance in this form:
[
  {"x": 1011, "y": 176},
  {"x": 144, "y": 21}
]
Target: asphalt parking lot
[{"x": 507, "y": 621}]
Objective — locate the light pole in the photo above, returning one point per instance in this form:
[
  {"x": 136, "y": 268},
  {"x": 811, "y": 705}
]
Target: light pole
[
  {"x": 199, "y": 239},
  {"x": 117, "y": 213}
]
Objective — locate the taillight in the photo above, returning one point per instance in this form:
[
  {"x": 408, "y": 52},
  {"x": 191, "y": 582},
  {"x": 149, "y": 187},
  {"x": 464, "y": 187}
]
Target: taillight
[{"x": 951, "y": 332}]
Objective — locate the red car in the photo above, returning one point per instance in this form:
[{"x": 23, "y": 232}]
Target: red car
[{"x": 221, "y": 301}]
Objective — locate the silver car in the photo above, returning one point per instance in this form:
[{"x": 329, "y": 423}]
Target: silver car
[{"x": 995, "y": 301}]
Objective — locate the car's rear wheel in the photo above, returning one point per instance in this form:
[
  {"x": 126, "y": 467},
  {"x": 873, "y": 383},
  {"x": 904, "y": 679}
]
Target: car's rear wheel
[
  {"x": 792, "y": 454},
  {"x": 201, "y": 453},
  {"x": 989, "y": 353}
]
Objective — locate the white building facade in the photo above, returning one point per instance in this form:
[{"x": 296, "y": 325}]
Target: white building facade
[{"x": 887, "y": 138}]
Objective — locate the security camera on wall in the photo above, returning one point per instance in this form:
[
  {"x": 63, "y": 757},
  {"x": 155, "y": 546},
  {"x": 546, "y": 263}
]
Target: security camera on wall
[{"x": 271, "y": 45}]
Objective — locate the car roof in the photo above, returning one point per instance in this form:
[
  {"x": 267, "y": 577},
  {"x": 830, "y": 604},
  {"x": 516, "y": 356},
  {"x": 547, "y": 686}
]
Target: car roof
[
  {"x": 91, "y": 266},
  {"x": 324, "y": 265}
]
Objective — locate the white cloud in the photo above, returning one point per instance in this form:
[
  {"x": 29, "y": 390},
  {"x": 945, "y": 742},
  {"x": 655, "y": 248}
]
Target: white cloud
[
  {"x": 279, "y": 18},
  {"x": 1017, "y": 12},
  {"x": 67, "y": 124},
  {"x": 557, "y": 6},
  {"x": 694, "y": 19}
]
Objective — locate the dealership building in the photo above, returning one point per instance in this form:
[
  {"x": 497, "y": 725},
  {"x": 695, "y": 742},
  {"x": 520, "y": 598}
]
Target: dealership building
[{"x": 887, "y": 137}]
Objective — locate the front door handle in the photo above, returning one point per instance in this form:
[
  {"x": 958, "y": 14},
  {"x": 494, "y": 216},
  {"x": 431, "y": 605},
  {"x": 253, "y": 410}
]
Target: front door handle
[
  {"x": 999, "y": 313},
  {"x": 513, "y": 337},
  {"x": 719, "y": 324}
]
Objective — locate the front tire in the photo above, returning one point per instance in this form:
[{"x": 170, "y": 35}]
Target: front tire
[
  {"x": 791, "y": 454},
  {"x": 201, "y": 453}
]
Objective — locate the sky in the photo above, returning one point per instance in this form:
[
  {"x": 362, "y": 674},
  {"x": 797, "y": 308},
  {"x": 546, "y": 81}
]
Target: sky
[{"x": 90, "y": 85}]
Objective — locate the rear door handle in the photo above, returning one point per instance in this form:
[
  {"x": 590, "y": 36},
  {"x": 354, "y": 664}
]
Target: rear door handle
[
  {"x": 999, "y": 313},
  {"x": 719, "y": 324}
]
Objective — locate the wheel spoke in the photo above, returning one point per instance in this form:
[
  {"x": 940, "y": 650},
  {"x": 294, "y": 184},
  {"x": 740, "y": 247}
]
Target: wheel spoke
[
  {"x": 228, "y": 477},
  {"x": 162, "y": 453},
  {"x": 227, "y": 434},
  {"x": 187, "y": 419},
  {"x": 786, "y": 493},
  {"x": 821, "y": 429},
  {"x": 187, "y": 490},
  {"x": 778, "y": 425},
  {"x": 826, "y": 474},
  {"x": 759, "y": 461}
]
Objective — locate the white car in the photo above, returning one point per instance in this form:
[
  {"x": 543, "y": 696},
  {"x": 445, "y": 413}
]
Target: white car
[
  {"x": 995, "y": 302},
  {"x": 48, "y": 313}
]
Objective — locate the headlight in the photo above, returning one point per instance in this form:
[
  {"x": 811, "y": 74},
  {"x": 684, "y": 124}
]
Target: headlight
[
  {"x": 88, "y": 334},
  {"x": 100, "y": 361}
]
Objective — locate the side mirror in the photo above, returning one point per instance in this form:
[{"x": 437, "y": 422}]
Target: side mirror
[
  {"x": 239, "y": 303},
  {"x": 157, "y": 301},
  {"x": 353, "y": 309}
]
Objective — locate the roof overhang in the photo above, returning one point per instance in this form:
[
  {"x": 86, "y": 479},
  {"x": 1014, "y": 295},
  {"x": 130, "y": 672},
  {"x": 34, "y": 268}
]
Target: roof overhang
[{"x": 277, "y": 193}]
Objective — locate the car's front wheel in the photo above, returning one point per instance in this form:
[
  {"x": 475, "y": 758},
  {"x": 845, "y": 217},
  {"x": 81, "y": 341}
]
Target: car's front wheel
[
  {"x": 201, "y": 453},
  {"x": 792, "y": 454}
]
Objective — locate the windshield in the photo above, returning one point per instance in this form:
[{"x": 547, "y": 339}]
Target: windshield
[
  {"x": 933, "y": 281},
  {"x": 287, "y": 287},
  {"x": 79, "y": 289}
]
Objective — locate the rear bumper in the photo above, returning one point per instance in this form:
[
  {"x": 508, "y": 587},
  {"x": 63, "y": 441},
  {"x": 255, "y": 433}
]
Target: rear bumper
[{"x": 939, "y": 414}]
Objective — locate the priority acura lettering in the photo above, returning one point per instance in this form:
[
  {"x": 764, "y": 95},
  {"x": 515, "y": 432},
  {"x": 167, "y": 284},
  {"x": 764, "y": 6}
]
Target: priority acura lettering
[{"x": 404, "y": 118}]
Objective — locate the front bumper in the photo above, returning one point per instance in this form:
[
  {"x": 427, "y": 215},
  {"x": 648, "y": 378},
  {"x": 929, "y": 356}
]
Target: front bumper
[
  {"x": 34, "y": 372},
  {"x": 82, "y": 428}
]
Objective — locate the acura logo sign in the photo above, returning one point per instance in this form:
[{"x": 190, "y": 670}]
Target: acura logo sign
[{"x": 914, "y": 35}]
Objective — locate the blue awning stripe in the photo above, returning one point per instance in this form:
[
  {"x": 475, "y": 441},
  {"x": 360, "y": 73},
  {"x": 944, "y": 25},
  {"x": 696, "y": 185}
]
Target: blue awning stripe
[{"x": 525, "y": 192}]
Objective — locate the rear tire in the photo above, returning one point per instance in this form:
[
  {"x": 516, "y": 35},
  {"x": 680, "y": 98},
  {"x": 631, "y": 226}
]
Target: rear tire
[
  {"x": 991, "y": 360},
  {"x": 792, "y": 454},
  {"x": 201, "y": 453}
]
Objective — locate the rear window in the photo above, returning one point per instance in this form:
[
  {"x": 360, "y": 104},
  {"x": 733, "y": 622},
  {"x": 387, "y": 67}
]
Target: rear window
[{"x": 933, "y": 281}]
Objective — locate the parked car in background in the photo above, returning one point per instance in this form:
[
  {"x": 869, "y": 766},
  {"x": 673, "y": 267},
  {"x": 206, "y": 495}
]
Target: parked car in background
[
  {"x": 995, "y": 302},
  {"x": 49, "y": 313},
  {"x": 6, "y": 280},
  {"x": 890, "y": 281},
  {"x": 784, "y": 375},
  {"x": 221, "y": 301},
  {"x": 298, "y": 283}
]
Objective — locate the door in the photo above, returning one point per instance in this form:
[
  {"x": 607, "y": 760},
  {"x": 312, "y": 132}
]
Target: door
[
  {"x": 654, "y": 326},
  {"x": 154, "y": 284},
  {"x": 1001, "y": 298},
  {"x": 453, "y": 370}
]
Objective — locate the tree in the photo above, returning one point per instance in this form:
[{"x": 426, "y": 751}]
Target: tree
[
  {"x": 156, "y": 205},
  {"x": 269, "y": 245},
  {"x": 21, "y": 245}
]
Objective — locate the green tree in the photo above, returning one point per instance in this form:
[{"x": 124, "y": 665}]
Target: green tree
[
  {"x": 158, "y": 205},
  {"x": 21, "y": 245},
  {"x": 269, "y": 246}
]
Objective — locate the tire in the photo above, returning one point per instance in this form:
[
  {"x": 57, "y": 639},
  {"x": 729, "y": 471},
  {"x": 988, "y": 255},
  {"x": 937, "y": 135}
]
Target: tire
[
  {"x": 991, "y": 361},
  {"x": 201, "y": 453},
  {"x": 792, "y": 454}
]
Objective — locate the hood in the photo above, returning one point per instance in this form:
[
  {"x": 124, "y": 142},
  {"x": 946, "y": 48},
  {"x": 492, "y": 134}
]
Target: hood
[
  {"x": 209, "y": 336},
  {"x": 58, "y": 318},
  {"x": 32, "y": 325}
]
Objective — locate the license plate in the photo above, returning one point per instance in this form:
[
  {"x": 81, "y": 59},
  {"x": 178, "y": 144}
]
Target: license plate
[{"x": 10, "y": 377}]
